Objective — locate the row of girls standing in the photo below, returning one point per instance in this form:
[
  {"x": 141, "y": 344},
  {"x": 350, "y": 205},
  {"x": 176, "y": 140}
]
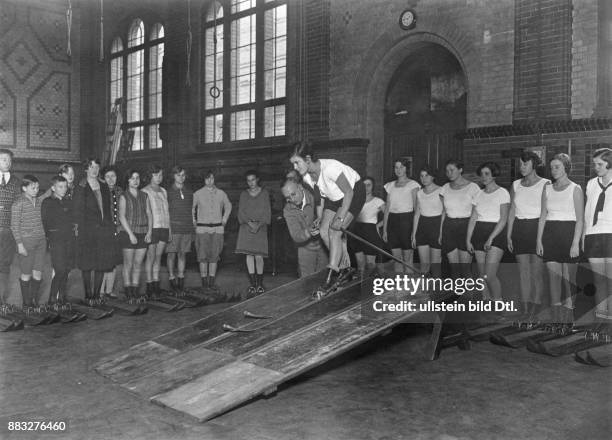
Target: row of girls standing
[{"x": 542, "y": 223}]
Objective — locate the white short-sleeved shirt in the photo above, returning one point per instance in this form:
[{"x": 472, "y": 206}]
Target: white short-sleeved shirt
[
  {"x": 528, "y": 199},
  {"x": 430, "y": 204},
  {"x": 399, "y": 198},
  {"x": 604, "y": 219},
  {"x": 458, "y": 202},
  {"x": 330, "y": 171},
  {"x": 369, "y": 212},
  {"x": 488, "y": 204},
  {"x": 560, "y": 204}
]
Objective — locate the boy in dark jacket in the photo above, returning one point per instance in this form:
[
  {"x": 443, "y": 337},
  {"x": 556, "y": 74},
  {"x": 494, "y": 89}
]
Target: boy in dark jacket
[
  {"x": 9, "y": 191},
  {"x": 60, "y": 231}
]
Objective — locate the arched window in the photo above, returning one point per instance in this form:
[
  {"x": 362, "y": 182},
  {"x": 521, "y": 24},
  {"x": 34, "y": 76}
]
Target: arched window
[
  {"x": 140, "y": 82},
  {"x": 245, "y": 70}
]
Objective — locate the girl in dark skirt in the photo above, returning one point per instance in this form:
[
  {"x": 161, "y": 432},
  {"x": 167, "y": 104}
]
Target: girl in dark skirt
[
  {"x": 426, "y": 228},
  {"x": 95, "y": 229},
  {"x": 526, "y": 195},
  {"x": 366, "y": 227},
  {"x": 597, "y": 239},
  {"x": 559, "y": 231},
  {"x": 457, "y": 197},
  {"x": 486, "y": 235},
  {"x": 399, "y": 213}
]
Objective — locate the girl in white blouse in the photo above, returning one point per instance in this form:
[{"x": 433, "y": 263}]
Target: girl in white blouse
[
  {"x": 522, "y": 232},
  {"x": 597, "y": 240},
  {"x": 559, "y": 231},
  {"x": 486, "y": 235},
  {"x": 426, "y": 228},
  {"x": 399, "y": 213},
  {"x": 457, "y": 197}
]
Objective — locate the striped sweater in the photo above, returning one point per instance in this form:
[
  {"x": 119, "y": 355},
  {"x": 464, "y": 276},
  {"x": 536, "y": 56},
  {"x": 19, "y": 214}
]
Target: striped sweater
[{"x": 26, "y": 219}]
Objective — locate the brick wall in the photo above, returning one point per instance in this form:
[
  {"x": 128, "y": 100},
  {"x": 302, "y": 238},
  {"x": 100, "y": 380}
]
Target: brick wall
[
  {"x": 483, "y": 145},
  {"x": 585, "y": 31},
  {"x": 542, "y": 59},
  {"x": 367, "y": 46},
  {"x": 39, "y": 85}
]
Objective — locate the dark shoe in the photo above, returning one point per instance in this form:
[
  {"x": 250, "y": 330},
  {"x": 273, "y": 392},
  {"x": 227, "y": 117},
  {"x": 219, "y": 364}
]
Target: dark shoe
[
  {"x": 260, "y": 287},
  {"x": 332, "y": 277},
  {"x": 211, "y": 283},
  {"x": 345, "y": 275}
]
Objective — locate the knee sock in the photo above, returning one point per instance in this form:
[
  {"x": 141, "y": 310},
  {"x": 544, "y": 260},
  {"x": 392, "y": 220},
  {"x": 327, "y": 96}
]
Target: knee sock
[
  {"x": 56, "y": 285},
  {"x": 25, "y": 292},
  {"x": 35, "y": 290},
  {"x": 98, "y": 276},
  {"x": 87, "y": 283},
  {"x": 4, "y": 277}
]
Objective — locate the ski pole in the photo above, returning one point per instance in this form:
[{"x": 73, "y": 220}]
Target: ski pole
[{"x": 382, "y": 251}]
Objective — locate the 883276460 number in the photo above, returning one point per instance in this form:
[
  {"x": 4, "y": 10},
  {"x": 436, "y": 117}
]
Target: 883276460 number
[{"x": 37, "y": 426}]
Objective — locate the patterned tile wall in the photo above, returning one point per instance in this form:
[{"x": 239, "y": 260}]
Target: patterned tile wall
[{"x": 39, "y": 82}]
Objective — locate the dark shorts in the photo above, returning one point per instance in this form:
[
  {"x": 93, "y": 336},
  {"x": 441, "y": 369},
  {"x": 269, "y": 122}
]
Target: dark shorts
[
  {"x": 454, "y": 234},
  {"x": 598, "y": 245},
  {"x": 557, "y": 241},
  {"x": 359, "y": 197},
  {"x": 482, "y": 232},
  {"x": 63, "y": 251},
  {"x": 428, "y": 231},
  {"x": 124, "y": 241},
  {"x": 525, "y": 235},
  {"x": 399, "y": 230},
  {"x": 160, "y": 235},
  {"x": 369, "y": 232}
]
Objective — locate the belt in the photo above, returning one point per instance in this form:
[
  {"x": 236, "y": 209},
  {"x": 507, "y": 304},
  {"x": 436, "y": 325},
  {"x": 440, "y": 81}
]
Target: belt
[{"x": 210, "y": 225}]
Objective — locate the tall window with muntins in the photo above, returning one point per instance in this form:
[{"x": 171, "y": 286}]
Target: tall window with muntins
[
  {"x": 245, "y": 70},
  {"x": 140, "y": 82}
]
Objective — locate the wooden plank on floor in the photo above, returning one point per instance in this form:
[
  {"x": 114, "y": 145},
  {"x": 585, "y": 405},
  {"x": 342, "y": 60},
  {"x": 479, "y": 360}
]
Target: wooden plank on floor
[
  {"x": 219, "y": 391},
  {"x": 119, "y": 366},
  {"x": 240, "y": 344},
  {"x": 178, "y": 370},
  {"x": 276, "y": 303}
]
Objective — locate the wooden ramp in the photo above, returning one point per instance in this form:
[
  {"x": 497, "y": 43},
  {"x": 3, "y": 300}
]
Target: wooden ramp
[{"x": 203, "y": 371}]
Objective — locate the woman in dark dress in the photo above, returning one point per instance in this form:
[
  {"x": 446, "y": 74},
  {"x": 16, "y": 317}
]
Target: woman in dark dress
[{"x": 95, "y": 229}]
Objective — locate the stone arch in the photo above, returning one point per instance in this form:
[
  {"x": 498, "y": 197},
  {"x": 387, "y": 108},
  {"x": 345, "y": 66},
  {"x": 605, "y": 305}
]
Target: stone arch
[{"x": 379, "y": 65}]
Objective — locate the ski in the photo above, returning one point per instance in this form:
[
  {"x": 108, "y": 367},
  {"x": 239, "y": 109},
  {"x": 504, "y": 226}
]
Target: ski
[
  {"x": 125, "y": 308},
  {"x": 600, "y": 356},
  {"x": 91, "y": 312},
  {"x": 9, "y": 325}
]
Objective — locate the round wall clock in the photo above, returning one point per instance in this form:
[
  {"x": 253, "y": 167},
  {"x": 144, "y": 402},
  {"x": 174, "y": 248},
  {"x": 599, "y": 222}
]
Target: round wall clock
[{"x": 407, "y": 19}]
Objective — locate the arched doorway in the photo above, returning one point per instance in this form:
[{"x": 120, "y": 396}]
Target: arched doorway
[{"x": 425, "y": 108}]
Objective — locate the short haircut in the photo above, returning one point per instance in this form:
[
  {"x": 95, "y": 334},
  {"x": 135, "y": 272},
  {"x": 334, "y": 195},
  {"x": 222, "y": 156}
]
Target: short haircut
[
  {"x": 128, "y": 176},
  {"x": 371, "y": 179},
  {"x": 63, "y": 168},
  {"x": 457, "y": 163},
  {"x": 492, "y": 166},
  {"x": 108, "y": 168},
  {"x": 58, "y": 179},
  {"x": 604, "y": 154},
  {"x": 565, "y": 160},
  {"x": 153, "y": 169},
  {"x": 304, "y": 149},
  {"x": 28, "y": 180},
  {"x": 428, "y": 169},
  {"x": 177, "y": 169},
  {"x": 208, "y": 174},
  {"x": 89, "y": 161},
  {"x": 527, "y": 156},
  {"x": 403, "y": 160},
  {"x": 251, "y": 173},
  {"x": 7, "y": 151}
]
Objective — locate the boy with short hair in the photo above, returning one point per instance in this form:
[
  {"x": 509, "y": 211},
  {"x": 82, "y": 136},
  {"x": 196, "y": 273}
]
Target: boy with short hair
[
  {"x": 59, "y": 228},
  {"x": 9, "y": 191},
  {"x": 29, "y": 234}
]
